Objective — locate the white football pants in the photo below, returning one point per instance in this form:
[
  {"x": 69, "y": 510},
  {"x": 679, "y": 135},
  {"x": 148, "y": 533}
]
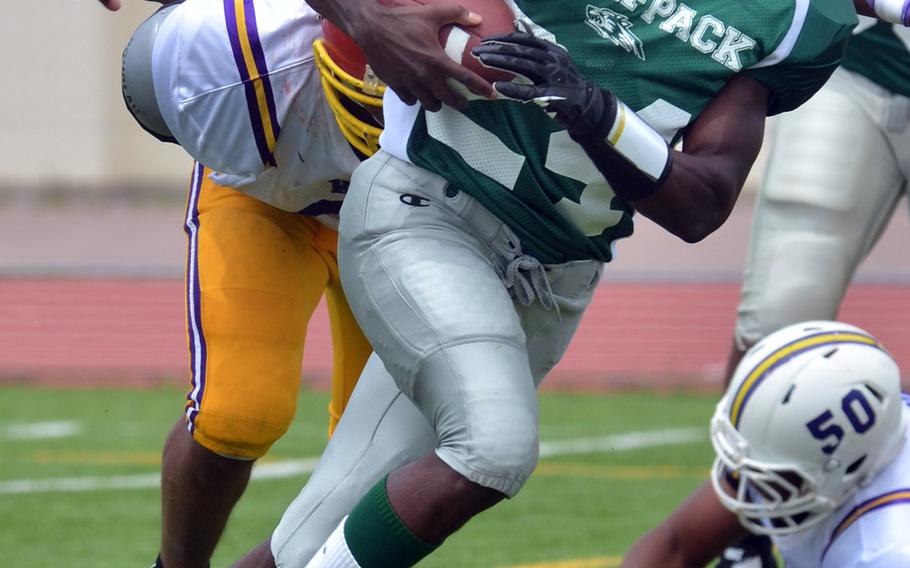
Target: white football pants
[
  {"x": 456, "y": 313},
  {"x": 838, "y": 165}
]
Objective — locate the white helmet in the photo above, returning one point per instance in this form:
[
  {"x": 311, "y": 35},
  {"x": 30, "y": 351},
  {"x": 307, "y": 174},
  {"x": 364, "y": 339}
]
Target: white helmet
[{"x": 814, "y": 411}]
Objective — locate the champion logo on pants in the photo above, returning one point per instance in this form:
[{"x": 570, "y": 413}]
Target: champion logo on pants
[{"x": 414, "y": 200}]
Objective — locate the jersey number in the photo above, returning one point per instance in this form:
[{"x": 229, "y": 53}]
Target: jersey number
[
  {"x": 858, "y": 412},
  {"x": 593, "y": 213}
]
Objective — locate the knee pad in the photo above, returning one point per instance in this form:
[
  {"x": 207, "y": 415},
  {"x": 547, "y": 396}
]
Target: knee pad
[
  {"x": 480, "y": 397},
  {"x": 244, "y": 424},
  {"x": 503, "y": 461},
  {"x": 806, "y": 284}
]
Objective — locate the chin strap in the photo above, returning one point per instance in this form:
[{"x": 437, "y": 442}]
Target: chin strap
[{"x": 894, "y": 11}]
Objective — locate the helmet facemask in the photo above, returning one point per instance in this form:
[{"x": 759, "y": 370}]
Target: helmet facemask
[
  {"x": 355, "y": 102},
  {"x": 771, "y": 499}
]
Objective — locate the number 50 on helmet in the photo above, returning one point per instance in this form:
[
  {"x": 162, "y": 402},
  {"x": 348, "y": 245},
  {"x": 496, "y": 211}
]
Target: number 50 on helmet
[
  {"x": 351, "y": 88},
  {"x": 814, "y": 412}
]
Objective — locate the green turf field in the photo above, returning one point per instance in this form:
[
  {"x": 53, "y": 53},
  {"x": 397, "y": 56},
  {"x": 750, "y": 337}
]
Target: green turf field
[{"x": 88, "y": 497}]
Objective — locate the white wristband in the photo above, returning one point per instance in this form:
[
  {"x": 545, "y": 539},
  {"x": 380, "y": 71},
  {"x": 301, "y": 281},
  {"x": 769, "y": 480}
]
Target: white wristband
[
  {"x": 638, "y": 143},
  {"x": 894, "y": 11}
]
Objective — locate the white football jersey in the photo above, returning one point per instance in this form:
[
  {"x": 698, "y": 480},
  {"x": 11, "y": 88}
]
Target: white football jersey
[
  {"x": 870, "y": 530},
  {"x": 238, "y": 86}
]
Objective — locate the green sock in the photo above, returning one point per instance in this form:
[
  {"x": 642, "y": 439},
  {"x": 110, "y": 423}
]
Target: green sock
[{"x": 376, "y": 536}]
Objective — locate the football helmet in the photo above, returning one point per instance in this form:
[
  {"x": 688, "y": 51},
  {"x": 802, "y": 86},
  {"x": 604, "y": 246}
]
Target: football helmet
[
  {"x": 814, "y": 411},
  {"x": 349, "y": 85},
  {"x": 136, "y": 76}
]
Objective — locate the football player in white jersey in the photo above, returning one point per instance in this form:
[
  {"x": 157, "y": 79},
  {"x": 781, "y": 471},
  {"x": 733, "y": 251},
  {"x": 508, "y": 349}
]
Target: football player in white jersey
[
  {"x": 830, "y": 189},
  {"x": 811, "y": 449},
  {"x": 238, "y": 84},
  {"x": 402, "y": 43}
]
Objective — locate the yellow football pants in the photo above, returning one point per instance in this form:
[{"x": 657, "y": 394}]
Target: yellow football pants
[{"x": 255, "y": 275}]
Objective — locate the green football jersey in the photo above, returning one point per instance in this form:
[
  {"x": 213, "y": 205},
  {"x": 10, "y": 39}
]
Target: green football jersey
[
  {"x": 881, "y": 53},
  {"x": 664, "y": 58}
]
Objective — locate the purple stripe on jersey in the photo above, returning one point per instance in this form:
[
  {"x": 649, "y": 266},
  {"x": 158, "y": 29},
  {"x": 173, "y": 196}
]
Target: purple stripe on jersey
[
  {"x": 193, "y": 305},
  {"x": 252, "y": 29},
  {"x": 249, "y": 89},
  {"x": 896, "y": 497},
  {"x": 905, "y": 16}
]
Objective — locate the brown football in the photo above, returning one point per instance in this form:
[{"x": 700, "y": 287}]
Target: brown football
[{"x": 458, "y": 41}]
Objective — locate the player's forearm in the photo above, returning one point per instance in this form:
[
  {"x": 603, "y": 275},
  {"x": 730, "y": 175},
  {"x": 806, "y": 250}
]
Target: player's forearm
[
  {"x": 656, "y": 549},
  {"x": 401, "y": 44},
  {"x": 695, "y": 200},
  {"x": 689, "y": 195},
  {"x": 347, "y": 15},
  {"x": 690, "y": 537},
  {"x": 707, "y": 176}
]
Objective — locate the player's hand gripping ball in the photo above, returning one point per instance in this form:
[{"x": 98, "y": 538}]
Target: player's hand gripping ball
[{"x": 459, "y": 41}]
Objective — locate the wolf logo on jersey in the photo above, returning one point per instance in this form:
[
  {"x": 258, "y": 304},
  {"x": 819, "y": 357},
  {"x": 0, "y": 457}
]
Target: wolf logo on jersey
[{"x": 616, "y": 28}]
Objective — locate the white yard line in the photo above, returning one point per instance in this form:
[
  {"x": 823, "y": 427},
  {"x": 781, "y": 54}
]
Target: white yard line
[
  {"x": 293, "y": 468},
  {"x": 40, "y": 430},
  {"x": 622, "y": 442}
]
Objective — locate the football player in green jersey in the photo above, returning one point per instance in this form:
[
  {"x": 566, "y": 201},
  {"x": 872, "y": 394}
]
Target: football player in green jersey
[{"x": 471, "y": 244}]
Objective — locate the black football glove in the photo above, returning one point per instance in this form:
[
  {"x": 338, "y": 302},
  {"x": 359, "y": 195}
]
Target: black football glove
[
  {"x": 548, "y": 77},
  {"x": 582, "y": 107}
]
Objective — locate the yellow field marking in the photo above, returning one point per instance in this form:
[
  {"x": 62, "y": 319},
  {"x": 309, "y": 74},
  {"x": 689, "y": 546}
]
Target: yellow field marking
[
  {"x": 596, "y": 562},
  {"x": 548, "y": 469},
  {"x": 623, "y": 472},
  {"x": 79, "y": 457},
  {"x": 279, "y": 467}
]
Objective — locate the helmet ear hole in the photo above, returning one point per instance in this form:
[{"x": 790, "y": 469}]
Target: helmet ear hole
[
  {"x": 855, "y": 465},
  {"x": 875, "y": 392},
  {"x": 788, "y": 394}
]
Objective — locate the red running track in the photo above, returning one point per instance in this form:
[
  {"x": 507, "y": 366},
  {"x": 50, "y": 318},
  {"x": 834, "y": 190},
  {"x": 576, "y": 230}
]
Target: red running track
[{"x": 131, "y": 333}]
